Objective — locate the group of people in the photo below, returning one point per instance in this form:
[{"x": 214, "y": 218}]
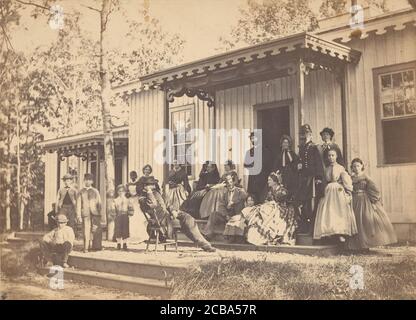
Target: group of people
[
  {"x": 310, "y": 193},
  {"x": 73, "y": 207}
]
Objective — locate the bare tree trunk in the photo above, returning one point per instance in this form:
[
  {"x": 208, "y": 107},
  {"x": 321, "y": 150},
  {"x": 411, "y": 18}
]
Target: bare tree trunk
[
  {"x": 105, "y": 107},
  {"x": 19, "y": 196},
  {"x": 8, "y": 177}
]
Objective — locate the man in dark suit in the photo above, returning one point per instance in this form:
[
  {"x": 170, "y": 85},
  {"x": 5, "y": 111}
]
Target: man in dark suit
[
  {"x": 66, "y": 200},
  {"x": 258, "y": 168},
  {"x": 311, "y": 177}
]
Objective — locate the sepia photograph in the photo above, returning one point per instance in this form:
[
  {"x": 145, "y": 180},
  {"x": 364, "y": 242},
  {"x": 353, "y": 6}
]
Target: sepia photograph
[{"x": 207, "y": 155}]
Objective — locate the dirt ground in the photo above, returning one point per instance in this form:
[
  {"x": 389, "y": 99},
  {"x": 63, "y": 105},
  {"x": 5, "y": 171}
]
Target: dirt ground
[{"x": 36, "y": 287}]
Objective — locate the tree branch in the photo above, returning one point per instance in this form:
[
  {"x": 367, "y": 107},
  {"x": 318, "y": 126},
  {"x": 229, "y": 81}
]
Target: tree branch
[
  {"x": 91, "y": 8},
  {"x": 33, "y": 4}
]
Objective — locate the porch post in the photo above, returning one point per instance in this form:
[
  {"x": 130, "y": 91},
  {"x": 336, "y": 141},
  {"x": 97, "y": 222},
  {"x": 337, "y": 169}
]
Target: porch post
[
  {"x": 300, "y": 72},
  {"x": 341, "y": 76},
  {"x": 166, "y": 126}
]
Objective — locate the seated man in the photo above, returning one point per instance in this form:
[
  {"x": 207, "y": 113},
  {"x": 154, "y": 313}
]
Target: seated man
[
  {"x": 152, "y": 204},
  {"x": 230, "y": 204},
  {"x": 57, "y": 244}
]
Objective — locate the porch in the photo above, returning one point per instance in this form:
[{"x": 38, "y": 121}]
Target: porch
[{"x": 79, "y": 154}]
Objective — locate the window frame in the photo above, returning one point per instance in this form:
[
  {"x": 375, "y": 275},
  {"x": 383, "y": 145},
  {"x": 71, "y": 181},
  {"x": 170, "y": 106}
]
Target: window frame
[
  {"x": 377, "y": 73},
  {"x": 183, "y": 108}
]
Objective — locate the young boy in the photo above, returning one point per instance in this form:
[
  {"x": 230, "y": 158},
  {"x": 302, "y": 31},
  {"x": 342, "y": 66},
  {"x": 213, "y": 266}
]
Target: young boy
[
  {"x": 89, "y": 211},
  {"x": 57, "y": 244}
]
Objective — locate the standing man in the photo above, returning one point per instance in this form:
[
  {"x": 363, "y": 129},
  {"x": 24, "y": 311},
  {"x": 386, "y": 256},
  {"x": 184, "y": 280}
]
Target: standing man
[
  {"x": 57, "y": 244},
  {"x": 66, "y": 200},
  {"x": 89, "y": 211},
  {"x": 258, "y": 168},
  {"x": 311, "y": 176},
  {"x": 327, "y": 134}
]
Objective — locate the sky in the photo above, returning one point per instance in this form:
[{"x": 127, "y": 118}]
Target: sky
[{"x": 199, "y": 22}]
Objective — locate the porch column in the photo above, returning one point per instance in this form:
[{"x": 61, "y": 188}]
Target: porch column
[
  {"x": 300, "y": 73},
  {"x": 341, "y": 77},
  {"x": 166, "y": 126}
]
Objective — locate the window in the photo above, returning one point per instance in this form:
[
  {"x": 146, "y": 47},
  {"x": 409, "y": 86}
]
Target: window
[
  {"x": 182, "y": 122},
  {"x": 395, "y": 100}
]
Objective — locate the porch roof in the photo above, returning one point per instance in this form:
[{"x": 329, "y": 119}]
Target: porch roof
[
  {"x": 84, "y": 140},
  {"x": 301, "y": 45}
]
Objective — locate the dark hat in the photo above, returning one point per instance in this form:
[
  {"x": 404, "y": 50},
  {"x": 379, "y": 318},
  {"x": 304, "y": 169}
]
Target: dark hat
[
  {"x": 68, "y": 176},
  {"x": 327, "y": 130},
  {"x": 306, "y": 128},
  {"x": 88, "y": 176},
  {"x": 149, "y": 180},
  {"x": 286, "y": 137}
]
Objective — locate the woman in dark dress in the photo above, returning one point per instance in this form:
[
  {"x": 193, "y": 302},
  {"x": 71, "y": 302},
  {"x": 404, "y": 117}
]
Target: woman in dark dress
[
  {"x": 286, "y": 164},
  {"x": 208, "y": 177},
  {"x": 177, "y": 188},
  {"x": 147, "y": 171},
  {"x": 373, "y": 224}
]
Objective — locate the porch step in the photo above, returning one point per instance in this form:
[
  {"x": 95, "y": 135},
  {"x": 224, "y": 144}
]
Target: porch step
[
  {"x": 134, "y": 269},
  {"x": 28, "y": 235},
  {"x": 315, "y": 250},
  {"x": 151, "y": 287}
]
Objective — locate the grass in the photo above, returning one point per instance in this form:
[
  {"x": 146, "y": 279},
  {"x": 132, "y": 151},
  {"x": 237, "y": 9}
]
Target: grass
[
  {"x": 20, "y": 261},
  {"x": 236, "y": 278}
]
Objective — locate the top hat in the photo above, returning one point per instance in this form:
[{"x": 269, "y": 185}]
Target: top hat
[
  {"x": 61, "y": 218},
  {"x": 68, "y": 176},
  {"x": 327, "y": 130}
]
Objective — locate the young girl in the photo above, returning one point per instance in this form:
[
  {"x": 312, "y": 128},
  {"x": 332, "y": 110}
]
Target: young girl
[
  {"x": 121, "y": 222},
  {"x": 374, "y": 226},
  {"x": 236, "y": 226},
  {"x": 334, "y": 216}
]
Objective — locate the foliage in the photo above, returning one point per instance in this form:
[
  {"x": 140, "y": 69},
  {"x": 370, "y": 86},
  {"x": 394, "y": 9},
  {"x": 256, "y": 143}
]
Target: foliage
[{"x": 270, "y": 19}]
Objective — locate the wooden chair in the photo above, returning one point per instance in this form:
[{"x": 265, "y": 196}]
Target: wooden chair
[{"x": 156, "y": 228}]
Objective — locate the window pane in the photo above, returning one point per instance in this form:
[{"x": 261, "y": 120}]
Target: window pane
[
  {"x": 388, "y": 110},
  {"x": 399, "y": 146},
  {"x": 397, "y": 80},
  {"x": 386, "y": 82},
  {"x": 408, "y": 78},
  {"x": 399, "y": 108},
  {"x": 411, "y": 106}
]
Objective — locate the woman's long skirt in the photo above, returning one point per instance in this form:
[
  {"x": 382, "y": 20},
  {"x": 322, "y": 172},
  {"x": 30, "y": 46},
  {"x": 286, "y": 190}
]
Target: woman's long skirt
[
  {"x": 373, "y": 224},
  {"x": 211, "y": 201},
  {"x": 270, "y": 223},
  {"x": 334, "y": 215},
  {"x": 121, "y": 226},
  {"x": 138, "y": 226},
  {"x": 175, "y": 196},
  {"x": 236, "y": 226}
]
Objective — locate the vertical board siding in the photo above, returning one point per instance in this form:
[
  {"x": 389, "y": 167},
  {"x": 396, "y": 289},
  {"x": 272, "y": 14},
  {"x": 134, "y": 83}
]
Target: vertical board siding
[
  {"x": 146, "y": 110},
  {"x": 397, "y": 183}
]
